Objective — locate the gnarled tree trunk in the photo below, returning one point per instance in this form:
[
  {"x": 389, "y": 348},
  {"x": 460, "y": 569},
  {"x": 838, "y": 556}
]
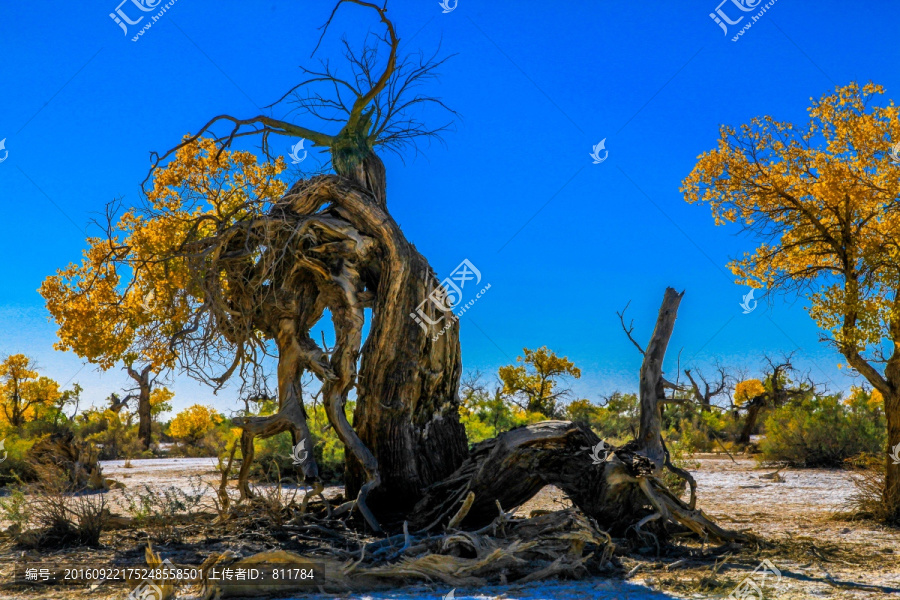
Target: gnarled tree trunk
[
  {"x": 339, "y": 250},
  {"x": 407, "y": 389}
]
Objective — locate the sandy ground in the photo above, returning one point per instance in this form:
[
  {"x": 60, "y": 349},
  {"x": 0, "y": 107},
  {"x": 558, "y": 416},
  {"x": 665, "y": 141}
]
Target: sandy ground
[{"x": 818, "y": 555}]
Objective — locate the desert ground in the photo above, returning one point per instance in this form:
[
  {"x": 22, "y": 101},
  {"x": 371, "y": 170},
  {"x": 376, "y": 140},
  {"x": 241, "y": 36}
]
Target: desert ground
[{"x": 818, "y": 553}]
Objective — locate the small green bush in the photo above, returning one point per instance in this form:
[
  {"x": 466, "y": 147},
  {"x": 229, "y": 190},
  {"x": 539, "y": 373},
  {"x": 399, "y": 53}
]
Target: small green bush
[
  {"x": 823, "y": 431},
  {"x": 14, "y": 467}
]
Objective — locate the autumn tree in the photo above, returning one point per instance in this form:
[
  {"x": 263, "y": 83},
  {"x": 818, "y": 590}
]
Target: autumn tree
[
  {"x": 821, "y": 199},
  {"x": 535, "y": 383},
  {"x": 781, "y": 385},
  {"x": 108, "y": 320},
  {"x": 265, "y": 272},
  {"x": 25, "y": 394},
  {"x": 160, "y": 401},
  {"x": 194, "y": 422},
  {"x": 245, "y": 267}
]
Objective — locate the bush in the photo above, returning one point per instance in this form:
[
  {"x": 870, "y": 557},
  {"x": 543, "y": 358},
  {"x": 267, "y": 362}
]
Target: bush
[
  {"x": 823, "y": 431},
  {"x": 616, "y": 422},
  {"x": 200, "y": 431},
  {"x": 867, "y": 500},
  {"x": 159, "y": 510},
  {"x": 51, "y": 512},
  {"x": 15, "y": 468}
]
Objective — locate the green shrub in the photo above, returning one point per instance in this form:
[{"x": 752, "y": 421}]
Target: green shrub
[
  {"x": 15, "y": 468},
  {"x": 823, "y": 432}
]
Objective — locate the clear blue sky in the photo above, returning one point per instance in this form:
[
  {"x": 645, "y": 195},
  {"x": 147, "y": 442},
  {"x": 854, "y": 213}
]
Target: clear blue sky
[{"x": 563, "y": 242}]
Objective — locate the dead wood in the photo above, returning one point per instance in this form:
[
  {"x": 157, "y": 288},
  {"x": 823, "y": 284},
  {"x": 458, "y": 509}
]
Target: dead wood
[
  {"x": 563, "y": 543},
  {"x": 621, "y": 490}
]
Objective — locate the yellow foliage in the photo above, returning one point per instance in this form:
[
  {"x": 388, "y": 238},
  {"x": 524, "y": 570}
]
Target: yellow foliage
[
  {"x": 747, "y": 390},
  {"x": 194, "y": 422},
  {"x": 872, "y": 399},
  {"x": 823, "y": 200},
  {"x": 133, "y": 291},
  {"x": 25, "y": 395},
  {"x": 159, "y": 400},
  {"x": 537, "y": 379}
]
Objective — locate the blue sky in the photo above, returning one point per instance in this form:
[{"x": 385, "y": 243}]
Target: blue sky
[{"x": 563, "y": 242}]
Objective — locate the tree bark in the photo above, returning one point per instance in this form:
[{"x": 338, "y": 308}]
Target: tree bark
[
  {"x": 754, "y": 407},
  {"x": 291, "y": 415},
  {"x": 145, "y": 417},
  {"x": 892, "y": 471},
  {"x": 407, "y": 387}
]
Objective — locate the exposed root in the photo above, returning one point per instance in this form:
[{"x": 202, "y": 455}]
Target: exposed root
[
  {"x": 670, "y": 507},
  {"x": 363, "y": 508},
  {"x": 463, "y": 511}
]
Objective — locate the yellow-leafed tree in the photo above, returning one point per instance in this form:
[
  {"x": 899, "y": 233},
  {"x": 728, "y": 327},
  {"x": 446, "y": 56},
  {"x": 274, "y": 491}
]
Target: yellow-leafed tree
[
  {"x": 821, "y": 199},
  {"x": 25, "y": 395},
  {"x": 194, "y": 422},
  {"x": 745, "y": 391},
  {"x": 120, "y": 306},
  {"x": 534, "y": 384}
]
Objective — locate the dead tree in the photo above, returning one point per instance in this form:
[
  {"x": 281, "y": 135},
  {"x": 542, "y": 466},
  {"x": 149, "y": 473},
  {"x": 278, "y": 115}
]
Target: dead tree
[
  {"x": 712, "y": 387},
  {"x": 779, "y": 392},
  {"x": 621, "y": 489}
]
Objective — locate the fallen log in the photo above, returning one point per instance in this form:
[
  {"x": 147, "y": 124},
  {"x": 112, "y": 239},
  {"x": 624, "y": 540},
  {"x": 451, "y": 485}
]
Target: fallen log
[{"x": 620, "y": 490}]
